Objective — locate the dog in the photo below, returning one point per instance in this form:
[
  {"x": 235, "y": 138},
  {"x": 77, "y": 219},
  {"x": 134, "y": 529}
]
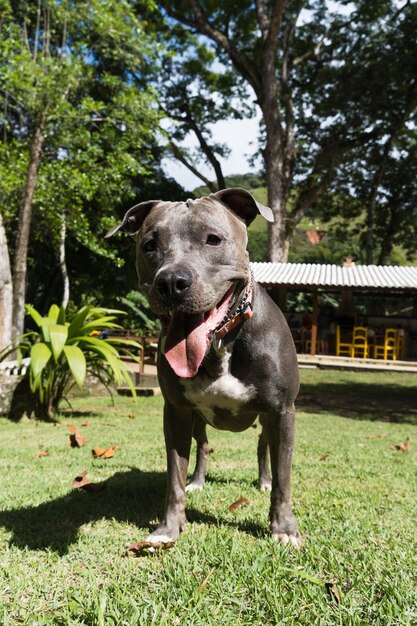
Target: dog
[{"x": 226, "y": 354}]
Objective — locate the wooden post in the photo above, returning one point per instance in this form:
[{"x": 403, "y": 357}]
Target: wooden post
[
  {"x": 314, "y": 334},
  {"x": 282, "y": 299}
]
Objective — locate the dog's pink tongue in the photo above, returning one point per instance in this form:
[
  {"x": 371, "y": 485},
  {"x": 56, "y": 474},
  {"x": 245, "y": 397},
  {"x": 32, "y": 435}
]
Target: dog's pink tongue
[{"x": 186, "y": 344}]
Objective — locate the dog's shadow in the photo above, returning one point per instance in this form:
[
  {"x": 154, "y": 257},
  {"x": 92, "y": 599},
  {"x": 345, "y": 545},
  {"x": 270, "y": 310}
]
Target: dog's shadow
[{"x": 133, "y": 496}]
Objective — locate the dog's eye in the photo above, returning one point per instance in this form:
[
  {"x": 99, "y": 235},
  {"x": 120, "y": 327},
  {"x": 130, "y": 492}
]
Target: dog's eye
[
  {"x": 213, "y": 240},
  {"x": 149, "y": 246}
]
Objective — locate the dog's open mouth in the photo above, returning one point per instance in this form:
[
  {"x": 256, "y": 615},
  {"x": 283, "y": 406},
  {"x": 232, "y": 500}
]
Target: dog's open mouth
[{"x": 188, "y": 336}]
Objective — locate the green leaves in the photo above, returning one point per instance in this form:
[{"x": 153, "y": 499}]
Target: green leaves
[
  {"x": 58, "y": 336},
  {"x": 62, "y": 352},
  {"x": 37, "y": 318},
  {"x": 77, "y": 363},
  {"x": 72, "y": 65},
  {"x": 39, "y": 357}
]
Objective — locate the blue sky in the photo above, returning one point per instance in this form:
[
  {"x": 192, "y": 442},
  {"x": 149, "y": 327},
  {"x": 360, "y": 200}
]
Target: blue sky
[{"x": 239, "y": 135}]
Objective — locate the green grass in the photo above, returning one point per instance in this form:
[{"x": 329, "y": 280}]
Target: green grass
[{"x": 62, "y": 552}]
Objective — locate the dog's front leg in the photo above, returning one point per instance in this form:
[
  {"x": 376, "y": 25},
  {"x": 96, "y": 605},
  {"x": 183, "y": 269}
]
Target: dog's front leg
[
  {"x": 178, "y": 428},
  {"x": 203, "y": 450},
  {"x": 281, "y": 434}
]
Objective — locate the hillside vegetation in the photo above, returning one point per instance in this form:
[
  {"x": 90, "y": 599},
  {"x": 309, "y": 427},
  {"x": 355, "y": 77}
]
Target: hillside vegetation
[{"x": 340, "y": 237}]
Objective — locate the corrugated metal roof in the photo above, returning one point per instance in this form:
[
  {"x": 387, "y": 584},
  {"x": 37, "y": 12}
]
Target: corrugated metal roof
[{"x": 390, "y": 277}]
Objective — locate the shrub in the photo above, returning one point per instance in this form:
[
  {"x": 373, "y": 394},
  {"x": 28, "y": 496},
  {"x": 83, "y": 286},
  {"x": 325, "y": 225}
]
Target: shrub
[
  {"x": 139, "y": 314},
  {"x": 63, "y": 351}
]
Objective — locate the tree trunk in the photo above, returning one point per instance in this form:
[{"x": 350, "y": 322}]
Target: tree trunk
[
  {"x": 388, "y": 240},
  {"x": 278, "y": 240},
  {"x": 22, "y": 239},
  {"x": 63, "y": 263},
  {"x": 6, "y": 290}
]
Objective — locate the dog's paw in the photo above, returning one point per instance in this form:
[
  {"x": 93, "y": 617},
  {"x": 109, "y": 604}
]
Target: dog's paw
[
  {"x": 265, "y": 485},
  {"x": 193, "y": 487},
  {"x": 285, "y": 539}
]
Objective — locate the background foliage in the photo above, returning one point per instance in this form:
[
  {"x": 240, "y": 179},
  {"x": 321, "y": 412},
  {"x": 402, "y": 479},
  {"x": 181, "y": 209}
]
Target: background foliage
[{"x": 119, "y": 86}]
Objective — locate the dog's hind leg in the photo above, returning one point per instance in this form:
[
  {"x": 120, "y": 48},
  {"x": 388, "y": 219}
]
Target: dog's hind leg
[
  {"x": 203, "y": 450},
  {"x": 281, "y": 434},
  {"x": 264, "y": 465}
]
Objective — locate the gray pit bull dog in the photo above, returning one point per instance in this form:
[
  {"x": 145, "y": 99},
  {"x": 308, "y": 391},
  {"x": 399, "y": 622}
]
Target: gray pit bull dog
[{"x": 226, "y": 354}]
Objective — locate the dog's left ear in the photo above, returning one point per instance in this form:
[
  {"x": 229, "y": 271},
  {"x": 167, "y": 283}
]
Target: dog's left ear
[
  {"x": 243, "y": 204},
  {"x": 134, "y": 218}
]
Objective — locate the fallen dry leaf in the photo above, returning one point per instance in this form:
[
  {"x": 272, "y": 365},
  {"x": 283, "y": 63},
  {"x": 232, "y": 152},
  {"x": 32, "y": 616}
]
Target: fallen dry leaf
[
  {"x": 82, "y": 482},
  {"x": 104, "y": 453},
  {"x": 403, "y": 447},
  {"x": 333, "y": 592},
  {"x": 238, "y": 504},
  {"x": 131, "y": 416},
  {"x": 147, "y": 547},
  {"x": 205, "y": 581},
  {"x": 76, "y": 439},
  {"x": 41, "y": 453},
  {"x": 85, "y": 424},
  {"x": 324, "y": 457}
]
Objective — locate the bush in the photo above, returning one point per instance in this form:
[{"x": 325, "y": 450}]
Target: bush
[{"x": 63, "y": 351}]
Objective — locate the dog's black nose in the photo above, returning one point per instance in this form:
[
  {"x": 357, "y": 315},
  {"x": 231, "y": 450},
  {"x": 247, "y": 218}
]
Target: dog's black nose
[{"x": 173, "y": 283}]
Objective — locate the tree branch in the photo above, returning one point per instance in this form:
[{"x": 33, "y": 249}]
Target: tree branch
[
  {"x": 269, "y": 53},
  {"x": 207, "y": 150},
  {"x": 188, "y": 120},
  {"x": 179, "y": 155},
  {"x": 401, "y": 9},
  {"x": 317, "y": 181},
  {"x": 382, "y": 167},
  {"x": 262, "y": 16},
  {"x": 313, "y": 54},
  {"x": 38, "y": 21},
  {"x": 201, "y": 23},
  {"x": 275, "y": 22},
  {"x": 289, "y": 150}
]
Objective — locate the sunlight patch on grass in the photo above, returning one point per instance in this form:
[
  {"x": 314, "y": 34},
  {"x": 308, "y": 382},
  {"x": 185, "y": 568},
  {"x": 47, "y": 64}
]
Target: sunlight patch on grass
[{"x": 62, "y": 551}]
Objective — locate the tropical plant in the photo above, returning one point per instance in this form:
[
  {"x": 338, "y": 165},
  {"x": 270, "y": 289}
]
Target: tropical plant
[
  {"x": 139, "y": 314},
  {"x": 63, "y": 351}
]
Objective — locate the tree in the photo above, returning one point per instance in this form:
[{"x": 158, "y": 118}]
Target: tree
[
  {"x": 371, "y": 61},
  {"x": 193, "y": 95},
  {"x": 395, "y": 208},
  {"x": 72, "y": 122},
  {"x": 6, "y": 290},
  {"x": 308, "y": 67}
]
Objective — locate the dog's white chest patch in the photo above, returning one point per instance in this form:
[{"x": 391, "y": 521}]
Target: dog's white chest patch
[{"x": 226, "y": 392}]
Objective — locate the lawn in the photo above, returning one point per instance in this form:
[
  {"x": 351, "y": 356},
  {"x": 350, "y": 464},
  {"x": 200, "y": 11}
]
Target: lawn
[{"x": 62, "y": 551}]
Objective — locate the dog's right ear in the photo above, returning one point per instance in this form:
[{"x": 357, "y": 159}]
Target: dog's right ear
[
  {"x": 134, "y": 218},
  {"x": 243, "y": 204}
]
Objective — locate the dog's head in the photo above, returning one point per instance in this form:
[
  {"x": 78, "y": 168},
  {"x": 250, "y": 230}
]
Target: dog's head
[{"x": 191, "y": 256}]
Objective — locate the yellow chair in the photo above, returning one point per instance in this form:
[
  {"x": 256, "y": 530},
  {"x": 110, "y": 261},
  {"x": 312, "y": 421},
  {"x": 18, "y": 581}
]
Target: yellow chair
[
  {"x": 360, "y": 345},
  {"x": 389, "y": 347},
  {"x": 400, "y": 343},
  {"x": 343, "y": 348}
]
